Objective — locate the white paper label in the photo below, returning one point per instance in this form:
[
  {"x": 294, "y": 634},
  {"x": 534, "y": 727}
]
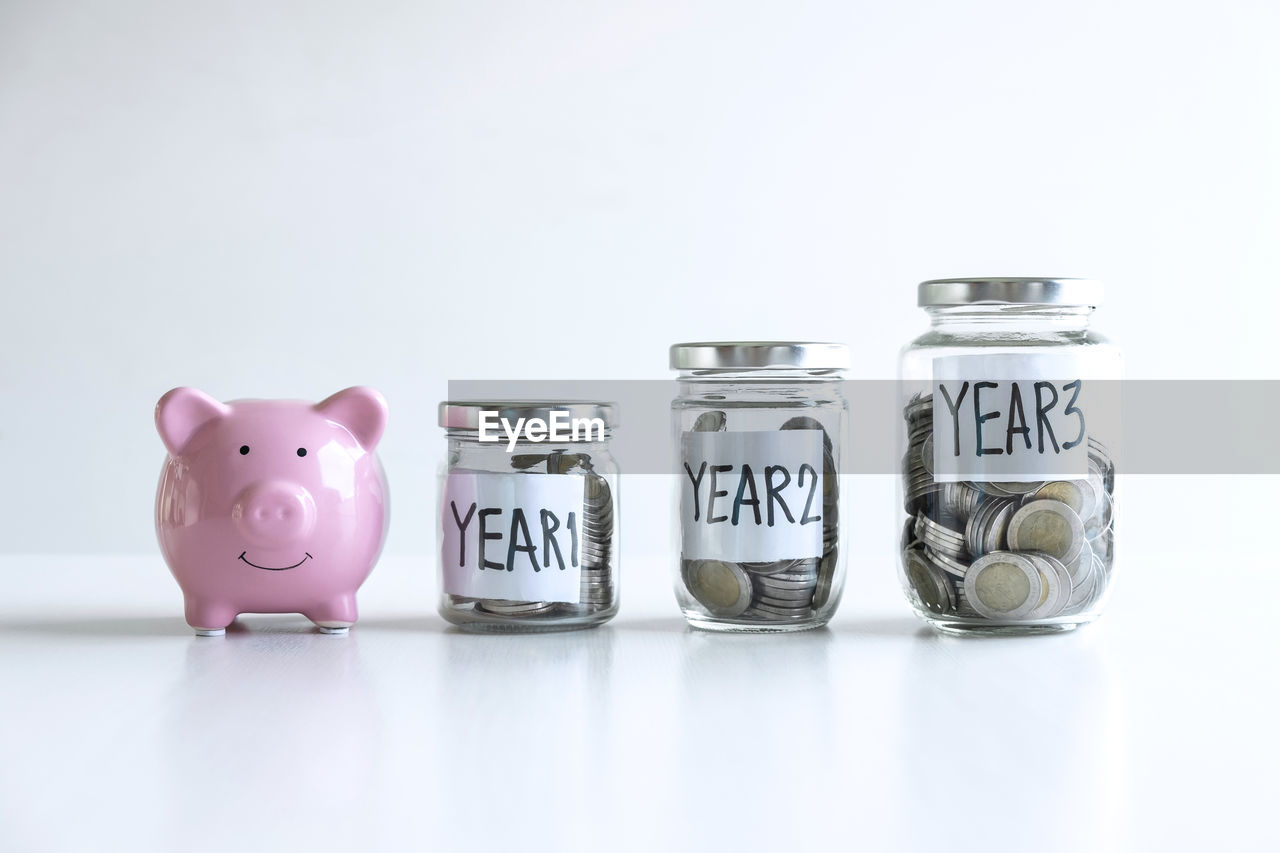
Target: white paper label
[
  {"x": 515, "y": 537},
  {"x": 751, "y": 496},
  {"x": 1009, "y": 418}
]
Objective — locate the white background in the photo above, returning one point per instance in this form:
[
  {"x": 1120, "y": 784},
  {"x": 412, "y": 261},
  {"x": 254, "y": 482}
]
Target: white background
[{"x": 283, "y": 199}]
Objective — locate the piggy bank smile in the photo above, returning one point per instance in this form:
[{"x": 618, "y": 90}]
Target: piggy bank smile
[{"x": 275, "y": 568}]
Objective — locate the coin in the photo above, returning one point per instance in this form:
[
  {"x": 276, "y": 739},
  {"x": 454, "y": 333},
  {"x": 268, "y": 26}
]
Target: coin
[
  {"x": 826, "y": 580},
  {"x": 771, "y": 610},
  {"x": 721, "y": 587},
  {"x": 774, "y": 568},
  {"x": 1008, "y": 488},
  {"x": 1003, "y": 585},
  {"x": 926, "y": 453},
  {"x": 1077, "y": 494},
  {"x": 934, "y": 591},
  {"x": 949, "y": 564},
  {"x": 1057, "y": 585},
  {"x": 515, "y": 608},
  {"x": 774, "y": 582},
  {"x": 710, "y": 422},
  {"x": 960, "y": 500},
  {"x": 940, "y": 538},
  {"x": 1048, "y": 526},
  {"x": 1082, "y": 565},
  {"x": 781, "y": 594},
  {"x": 782, "y": 603},
  {"x": 986, "y": 528},
  {"x": 521, "y": 461}
]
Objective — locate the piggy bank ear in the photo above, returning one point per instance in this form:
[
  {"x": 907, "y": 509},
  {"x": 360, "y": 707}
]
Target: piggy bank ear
[
  {"x": 181, "y": 413},
  {"x": 360, "y": 410}
]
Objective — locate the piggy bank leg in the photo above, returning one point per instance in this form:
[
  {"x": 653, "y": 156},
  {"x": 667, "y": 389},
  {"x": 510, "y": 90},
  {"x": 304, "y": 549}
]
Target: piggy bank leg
[
  {"x": 208, "y": 619},
  {"x": 334, "y": 617}
]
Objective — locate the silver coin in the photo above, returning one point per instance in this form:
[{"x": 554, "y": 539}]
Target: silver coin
[
  {"x": 710, "y": 422},
  {"x": 515, "y": 608},
  {"x": 1011, "y": 488},
  {"x": 934, "y": 591},
  {"x": 721, "y": 587},
  {"x": 1057, "y": 586},
  {"x": 960, "y": 500},
  {"x": 985, "y": 530},
  {"x": 1077, "y": 494},
  {"x": 559, "y": 462},
  {"x": 774, "y": 568},
  {"x": 779, "y": 594},
  {"x": 926, "y": 454},
  {"x": 783, "y": 603},
  {"x": 949, "y": 564},
  {"x": 1003, "y": 585},
  {"x": 1082, "y": 565},
  {"x": 1082, "y": 595},
  {"x": 1100, "y": 522},
  {"x": 773, "y": 582},
  {"x": 939, "y": 532},
  {"x": 781, "y": 611},
  {"x": 909, "y": 537},
  {"x": 1048, "y": 526},
  {"x": 808, "y": 572},
  {"x": 826, "y": 580}
]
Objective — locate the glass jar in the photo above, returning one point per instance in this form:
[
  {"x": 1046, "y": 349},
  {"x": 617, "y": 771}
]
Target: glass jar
[
  {"x": 1010, "y": 418},
  {"x": 758, "y": 429},
  {"x": 528, "y": 516}
]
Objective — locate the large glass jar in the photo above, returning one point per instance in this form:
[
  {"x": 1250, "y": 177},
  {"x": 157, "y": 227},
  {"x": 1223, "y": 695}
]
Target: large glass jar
[
  {"x": 528, "y": 516},
  {"x": 758, "y": 429},
  {"x": 1010, "y": 419}
]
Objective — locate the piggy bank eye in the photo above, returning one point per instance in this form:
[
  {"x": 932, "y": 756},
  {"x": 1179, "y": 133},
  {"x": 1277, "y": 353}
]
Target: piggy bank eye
[
  {"x": 302, "y": 451},
  {"x": 244, "y": 450}
]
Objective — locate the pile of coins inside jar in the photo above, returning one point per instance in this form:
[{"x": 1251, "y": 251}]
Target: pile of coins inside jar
[
  {"x": 1004, "y": 552},
  {"x": 777, "y": 591},
  {"x": 595, "y": 553}
]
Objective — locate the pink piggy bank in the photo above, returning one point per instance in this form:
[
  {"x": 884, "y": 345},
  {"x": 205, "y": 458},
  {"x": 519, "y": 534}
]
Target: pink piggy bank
[{"x": 271, "y": 506}]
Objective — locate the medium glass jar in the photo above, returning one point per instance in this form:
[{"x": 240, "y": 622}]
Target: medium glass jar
[
  {"x": 528, "y": 516},
  {"x": 1010, "y": 418},
  {"x": 758, "y": 429}
]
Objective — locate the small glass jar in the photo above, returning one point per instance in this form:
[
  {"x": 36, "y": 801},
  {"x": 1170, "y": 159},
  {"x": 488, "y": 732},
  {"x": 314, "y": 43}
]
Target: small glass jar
[
  {"x": 528, "y": 516},
  {"x": 1010, "y": 418},
  {"x": 758, "y": 429}
]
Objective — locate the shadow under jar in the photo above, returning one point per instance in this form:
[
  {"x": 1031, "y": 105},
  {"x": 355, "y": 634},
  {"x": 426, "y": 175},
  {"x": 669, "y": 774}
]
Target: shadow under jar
[
  {"x": 529, "y": 535},
  {"x": 758, "y": 430},
  {"x": 1010, "y": 417}
]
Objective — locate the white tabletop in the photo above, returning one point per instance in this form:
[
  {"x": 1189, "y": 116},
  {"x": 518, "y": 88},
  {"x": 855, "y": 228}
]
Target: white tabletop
[{"x": 1156, "y": 726}]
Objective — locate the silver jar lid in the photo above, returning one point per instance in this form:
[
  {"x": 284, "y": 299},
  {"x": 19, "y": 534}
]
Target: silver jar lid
[
  {"x": 943, "y": 292},
  {"x": 465, "y": 414},
  {"x": 759, "y": 355}
]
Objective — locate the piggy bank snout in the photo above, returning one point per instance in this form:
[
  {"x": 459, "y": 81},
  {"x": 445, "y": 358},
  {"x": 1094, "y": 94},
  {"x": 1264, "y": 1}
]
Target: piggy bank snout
[{"x": 274, "y": 513}]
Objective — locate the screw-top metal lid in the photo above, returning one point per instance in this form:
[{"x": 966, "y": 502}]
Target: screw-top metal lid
[
  {"x": 465, "y": 414},
  {"x": 759, "y": 355},
  {"x": 1012, "y": 291}
]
